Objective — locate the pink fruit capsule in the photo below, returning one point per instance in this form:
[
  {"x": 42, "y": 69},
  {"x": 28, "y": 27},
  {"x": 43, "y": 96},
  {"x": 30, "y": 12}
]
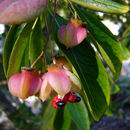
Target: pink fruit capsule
[
  {"x": 73, "y": 33},
  {"x": 20, "y": 11},
  {"x": 58, "y": 80},
  {"x": 24, "y": 84}
]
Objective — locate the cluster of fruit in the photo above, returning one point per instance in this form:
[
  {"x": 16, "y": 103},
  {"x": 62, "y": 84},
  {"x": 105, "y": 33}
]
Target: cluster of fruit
[{"x": 58, "y": 80}]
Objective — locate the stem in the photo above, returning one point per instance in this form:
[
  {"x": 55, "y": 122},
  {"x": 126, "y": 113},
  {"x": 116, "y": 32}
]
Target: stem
[
  {"x": 75, "y": 14},
  {"x": 53, "y": 18}
]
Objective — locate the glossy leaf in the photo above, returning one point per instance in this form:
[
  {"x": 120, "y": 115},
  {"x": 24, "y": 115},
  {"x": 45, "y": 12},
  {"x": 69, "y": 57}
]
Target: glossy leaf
[
  {"x": 104, "y": 41},
  {"x": 9, "y": 43},
  {"x": 18, "y": 50},
  {"x": 107, "y": 6},
  {"x": 91, "y": 72},
  {"x": 79, "y": 114},
  {"x": 36, "y": 45}
]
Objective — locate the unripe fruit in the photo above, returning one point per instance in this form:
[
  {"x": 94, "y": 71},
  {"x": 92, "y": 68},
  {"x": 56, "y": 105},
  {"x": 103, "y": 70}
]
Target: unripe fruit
[
  {"x": 24, "y": 84},
  {"x": 73, "y": 33},
  {"x": 20, "y": 11}
]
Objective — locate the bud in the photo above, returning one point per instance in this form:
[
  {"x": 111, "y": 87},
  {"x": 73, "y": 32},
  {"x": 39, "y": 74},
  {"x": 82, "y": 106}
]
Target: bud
[
  {"x": 24, "y": 84},
  {"x": 20, "y": 11},
  {"x": 73, "y": 33}
]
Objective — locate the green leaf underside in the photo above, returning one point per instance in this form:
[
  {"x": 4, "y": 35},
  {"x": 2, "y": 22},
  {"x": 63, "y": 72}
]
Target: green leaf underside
[
  {"x": 67, "y": 120},
  {"x": 79, "y": 114},
  {"x": 17, "y": 53},
  {"x": 62, "y": 119},
  {"x": 105, "y": 42},
  {"x": 91, "y": 72},
  {"x": 36, "y": 45},
  {"x": 48, "y": 116},
  {"x": 9, "y": 43},
  {"x": 107, "y": 6}
]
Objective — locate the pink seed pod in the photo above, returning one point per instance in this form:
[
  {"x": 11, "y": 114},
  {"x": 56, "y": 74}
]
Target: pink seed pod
[
  {"x": 24, "y": 84},
  {"x": 73, "y": 33},
  {"x": 20, "y": 11},
  {"x": 59, "y": 80}
]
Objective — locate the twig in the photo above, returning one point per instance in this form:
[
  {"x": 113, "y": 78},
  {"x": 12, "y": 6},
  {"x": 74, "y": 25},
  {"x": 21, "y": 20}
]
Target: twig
[{"x": 53, "y": 18}]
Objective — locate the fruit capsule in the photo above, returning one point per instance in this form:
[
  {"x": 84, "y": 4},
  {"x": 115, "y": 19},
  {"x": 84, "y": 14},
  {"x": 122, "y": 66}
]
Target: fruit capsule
[
  {"x": 73, "y": 33},
  {"x": 24, "y": 84}
]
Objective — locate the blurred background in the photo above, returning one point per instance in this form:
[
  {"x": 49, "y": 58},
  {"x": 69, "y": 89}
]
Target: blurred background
[{"x": 17, "y": 114}]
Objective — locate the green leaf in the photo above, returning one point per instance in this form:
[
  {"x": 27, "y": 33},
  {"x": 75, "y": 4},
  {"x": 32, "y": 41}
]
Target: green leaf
[
  {"x": 67, "y": 120},
  {"x": 25, "y": 59},
  {"x": 79, "y": 114},
  {"x": 17, "y": 53},
  {"x": 104, "y": 41},
  {"x": 90, "y": 70},
  {"x": 62, "y": 119},
  {"x": 125, "y": 52},
  {"x": 36, "y": 45},
  {"x": 11, "y": 37},
  {"x": 107, "y": 6},
  {"x": 48, "y": 117},
  {"x": 126, "y": 40},
  {"x": 124, "y": 43},
  {"x": 114, "y": 87},
  {"x": 109, "y": 112}
]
